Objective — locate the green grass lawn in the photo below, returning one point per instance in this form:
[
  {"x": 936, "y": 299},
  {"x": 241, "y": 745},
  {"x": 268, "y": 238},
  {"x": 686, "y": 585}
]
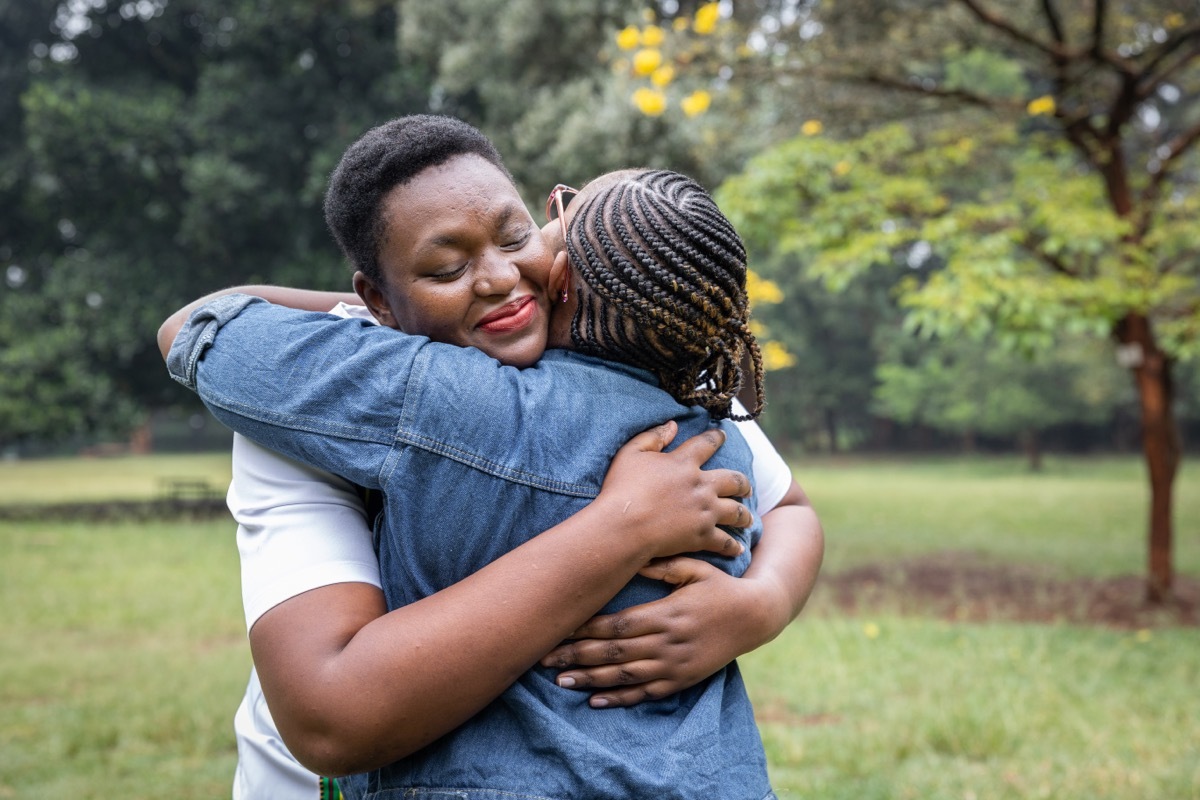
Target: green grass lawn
[
  {"x": 82, "y": 480},
  {"x": 1081, "y": 516},
  {"x": 123, "y": 655}
]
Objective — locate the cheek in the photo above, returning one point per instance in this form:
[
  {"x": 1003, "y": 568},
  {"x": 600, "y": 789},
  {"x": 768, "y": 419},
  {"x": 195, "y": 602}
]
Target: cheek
[
  {"x": 536, "y": 266},
  {"x": 435, "y": 314}
]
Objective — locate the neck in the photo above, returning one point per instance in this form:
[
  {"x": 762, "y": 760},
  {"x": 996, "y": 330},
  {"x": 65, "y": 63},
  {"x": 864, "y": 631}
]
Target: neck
[{"x": 561, "y": 316}]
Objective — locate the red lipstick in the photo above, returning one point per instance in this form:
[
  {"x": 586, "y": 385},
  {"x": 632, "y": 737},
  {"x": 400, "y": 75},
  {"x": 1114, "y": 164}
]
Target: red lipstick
[{"x": 510, "y": 317}]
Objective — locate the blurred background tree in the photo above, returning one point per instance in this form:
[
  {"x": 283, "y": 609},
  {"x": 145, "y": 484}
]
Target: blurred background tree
[
  {"x": 908, "y": 174},
  {"x": 1042, "y": 178}
]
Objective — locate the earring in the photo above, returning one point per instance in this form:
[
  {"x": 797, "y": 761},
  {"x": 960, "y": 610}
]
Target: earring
[{"x": 562, "y": 297}]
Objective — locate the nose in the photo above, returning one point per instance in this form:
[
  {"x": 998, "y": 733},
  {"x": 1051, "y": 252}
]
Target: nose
[{"x": 496, "y": 274}]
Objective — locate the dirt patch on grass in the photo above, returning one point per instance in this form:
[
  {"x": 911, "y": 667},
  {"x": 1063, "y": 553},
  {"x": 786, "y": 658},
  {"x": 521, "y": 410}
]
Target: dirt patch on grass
[{"x": 967, "y": 587}]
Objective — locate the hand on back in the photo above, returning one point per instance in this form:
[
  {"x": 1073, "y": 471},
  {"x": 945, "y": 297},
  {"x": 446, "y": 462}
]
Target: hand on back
[{"x": 666, "y": 499}]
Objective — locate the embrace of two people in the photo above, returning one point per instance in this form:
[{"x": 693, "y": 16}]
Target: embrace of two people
[{"x": 550, "y": 599}]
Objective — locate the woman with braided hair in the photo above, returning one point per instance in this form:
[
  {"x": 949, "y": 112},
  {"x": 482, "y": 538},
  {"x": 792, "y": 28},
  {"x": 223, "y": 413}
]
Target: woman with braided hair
[
  {"x": 667, "y": 273},
  {"x": 474, "y": 432}
]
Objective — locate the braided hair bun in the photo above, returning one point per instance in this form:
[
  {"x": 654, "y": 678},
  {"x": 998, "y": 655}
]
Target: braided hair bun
[{"x": 666, "y": 287}]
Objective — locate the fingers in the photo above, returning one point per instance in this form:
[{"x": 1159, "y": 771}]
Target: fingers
[
  {"x": 701, "y": 447},
  {"x": 719, "y": 542},
  {"x": 654, "y": 440},
  {"x": 607, "y": 676},
  {"x": 626, "y": 624},
  {"x": 679, "y": 570},
  {"x": 733, "y": 513},
  {"x": 631, "y": 696},
  {"x": 729, "y": 483}
]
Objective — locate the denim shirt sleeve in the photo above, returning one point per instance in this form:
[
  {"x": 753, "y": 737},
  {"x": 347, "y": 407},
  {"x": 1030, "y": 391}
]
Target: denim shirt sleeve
[
  {"x": 322, "y": 390},
  {"x": 198, "y": 332}
]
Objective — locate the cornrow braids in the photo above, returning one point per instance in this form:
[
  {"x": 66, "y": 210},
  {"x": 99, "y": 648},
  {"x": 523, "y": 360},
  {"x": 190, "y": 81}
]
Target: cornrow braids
[
  {"x": 383, "y": 158},
  {"x": 666, "y": 278}
]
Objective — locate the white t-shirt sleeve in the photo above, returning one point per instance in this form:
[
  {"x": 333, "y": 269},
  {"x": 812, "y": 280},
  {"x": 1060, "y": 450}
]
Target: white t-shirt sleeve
[
  {"x": 299, "y": 528},
  {"x": 772, "y": 476}
]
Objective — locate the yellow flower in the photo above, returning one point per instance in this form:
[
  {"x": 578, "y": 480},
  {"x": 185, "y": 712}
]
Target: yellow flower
[
  {"x": 1042, "y": 105},
  {"x": 696, "y": 103},
  {"x": 1173, "y": 20},
  {"x": 648, "y": 14},
  {"x": 652, "y": 36},
  {"x": 628, "y": 38},
  {"x": 679, "y": 24},
  {"x": 776, "y": 356},
  {"x": 663, "y": 75},
  {"x": 871, "y": 630},
  {"x": 705, "y": 21},
  {"x": 1144, "y": 635},
  {"x": 646, "y": 61},
  {"x": 761, "y": 290},
  {"x": 841, "y": 168},
  {"x": 650, "y": 102},
  {"x": 758, "y": 329},
  {"x": 812, "y": 127}
]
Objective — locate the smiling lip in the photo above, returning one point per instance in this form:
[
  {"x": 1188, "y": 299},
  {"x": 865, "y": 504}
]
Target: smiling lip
[{"x": 510, "y": 317}]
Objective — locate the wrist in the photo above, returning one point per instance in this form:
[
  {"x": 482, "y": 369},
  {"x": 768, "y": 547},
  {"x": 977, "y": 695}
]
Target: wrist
[
  {"x": 769, "y": 609},
  {"x": 613, "y": 530}
]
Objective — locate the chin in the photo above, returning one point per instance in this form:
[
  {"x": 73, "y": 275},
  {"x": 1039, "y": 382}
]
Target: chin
[{"x": 521, "y": 356}]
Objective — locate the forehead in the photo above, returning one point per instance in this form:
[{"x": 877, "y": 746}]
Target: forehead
[{"x": 466, "y": 190}]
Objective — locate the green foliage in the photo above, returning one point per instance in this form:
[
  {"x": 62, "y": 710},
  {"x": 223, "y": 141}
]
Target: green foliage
[
  {"x": 966, "y": 387},
  {"x": 998, "y": 232},
  {"x": 529, "y": 75},
  {"x": 160, "y": 152}
]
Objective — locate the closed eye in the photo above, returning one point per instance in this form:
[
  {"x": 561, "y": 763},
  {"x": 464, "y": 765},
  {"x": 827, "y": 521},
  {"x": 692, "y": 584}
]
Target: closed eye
[
  {"x": 450, "y": 273},
  {"x": 517, "y": 241}
]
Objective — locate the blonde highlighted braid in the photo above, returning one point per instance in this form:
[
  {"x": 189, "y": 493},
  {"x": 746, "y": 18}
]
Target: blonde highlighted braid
[{"x": 666, "y": 288}]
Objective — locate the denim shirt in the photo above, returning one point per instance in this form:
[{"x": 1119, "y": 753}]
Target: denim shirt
[{"x": 474, "y": 458}]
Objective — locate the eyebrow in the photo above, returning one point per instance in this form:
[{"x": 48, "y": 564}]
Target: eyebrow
[{"x": 503, "y": 217}]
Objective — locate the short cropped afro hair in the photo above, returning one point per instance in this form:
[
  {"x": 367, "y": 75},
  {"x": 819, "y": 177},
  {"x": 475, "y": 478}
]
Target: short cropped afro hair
[{"x": 385, "y": 157}]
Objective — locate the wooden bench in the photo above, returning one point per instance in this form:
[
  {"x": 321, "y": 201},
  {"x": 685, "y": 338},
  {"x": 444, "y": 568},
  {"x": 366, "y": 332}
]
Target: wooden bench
[{"x": 184, "y": 490}]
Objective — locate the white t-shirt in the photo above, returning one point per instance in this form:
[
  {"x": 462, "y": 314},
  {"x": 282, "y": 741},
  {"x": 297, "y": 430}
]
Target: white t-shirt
[{"x": 299, "y": 529}]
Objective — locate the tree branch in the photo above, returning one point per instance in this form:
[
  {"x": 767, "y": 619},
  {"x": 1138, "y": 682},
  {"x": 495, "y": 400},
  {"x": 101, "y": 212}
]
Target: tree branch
[
  {"x": 1182, "y": 36},
  {"x": 1055, "y": 51},
  {"x": 1098, "y": 21},
  {"x": 1175, "y": 148},
  {"x": 1033, "y": 246},
  {"x": 1150, "y": 86},
  {"x": 1052, "y": 18},
  {"x": 959, "y": 95}
]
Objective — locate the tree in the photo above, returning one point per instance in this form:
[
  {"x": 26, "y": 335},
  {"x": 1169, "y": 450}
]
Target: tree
[
  {"x": 529, "y": 76},
  {"x": 968, "y": 387},
  {"x": 1081, "y": 213},
  {"x": 158, "y": 151}
]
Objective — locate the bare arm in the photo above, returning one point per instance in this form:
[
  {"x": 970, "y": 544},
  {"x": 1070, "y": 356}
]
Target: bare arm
[
  {"x": 352, "y": 688},
  {"x": 711, "y": 618},
  {"x": 302, "y": 299}
]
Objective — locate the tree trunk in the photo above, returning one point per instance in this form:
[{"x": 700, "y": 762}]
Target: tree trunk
[
  {"x": 831, "y": 429},
  {"x": 1160, "y": 443},
  {"x": 1033, "y": 449}
]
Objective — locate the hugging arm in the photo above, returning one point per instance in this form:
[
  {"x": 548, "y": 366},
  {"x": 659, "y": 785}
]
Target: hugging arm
[
  {"x": 352, "y": 688},
  {"x": 300, "y": 299},
  {"x": 711, "y": 618}
]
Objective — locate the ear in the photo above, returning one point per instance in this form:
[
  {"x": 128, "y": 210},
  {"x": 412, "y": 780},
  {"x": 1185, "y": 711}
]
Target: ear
[
  {"x": 375, "y": 300},
  {"x": 559, "y": 283}
]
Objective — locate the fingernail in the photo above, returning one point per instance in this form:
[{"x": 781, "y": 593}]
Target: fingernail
[
  {"x": 566, "y": 682},
  {"x": 599, "y": 702}
]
